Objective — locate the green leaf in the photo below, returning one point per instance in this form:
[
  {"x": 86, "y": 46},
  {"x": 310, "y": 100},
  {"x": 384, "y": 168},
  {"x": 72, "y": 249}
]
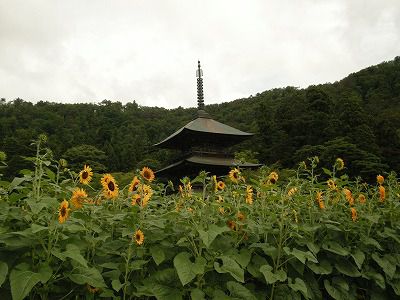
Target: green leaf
[
  {"x": 301, "y": 255},
  {"x": 73, "y": 252},
  {"x": 238, "y": 290},
  {"x": 37, "y": 228},
  {"x": 389, "y": 232},
  {"x": 358, "y": 257},
  {"x": 90, "y": 276},
  {"x": 243, "y": 258},
  {"x": 268, "y": 249},
  {"x": 110, "y": 265},
  {"x": 16, "y": 182},
  {"x": 107, "y": 293},
  {"x": 327, "y": 172},
  {"x": 45, "y": 272},
  {"x": 333, "y": 227},
  {"x": 299, "y": 286},
  {"x": 314, "y": 248},
  {"x": 395, "y": 284},
  {"x": 312, "y": 285},
  {"x": 220, "y": 295},
  {"x": 387, "y": 264},
  {"x": 3, "y": 272},
  {"x": 50, "y": 174},
  {"x": 35, "y": 207},
  {"x": 113, "y": 274},
  {"x": 166, "y": 277},
  {"x": 74, "y": 228},
  {"x": 372, "y": 242},
  {"x": 378, "y": 278},
  {"x": 158, "y": 254},
  {"x": 270, "y": 277},
  {"x": 347, "y": 268},
  {"x": 341, "y": 283},
  {"x": 138, "y": 264},
  {"x": 22, "y": 282},
  {"x": 323, "y": 268},
  {"x": 183, "y": 267},
  {"x": 116, "y": 285},
  {"x": 230, "y": 266},
  {"x": 254, "y": 267},
  {"x": 283, "y": 292},
  {"x": 159, "y": 291},
  {"x": 197, "y": 294},
  {"x": 336, "y": 248},
  {"x": 209, "y": 236},
  {"x": 334, "y": 292}
]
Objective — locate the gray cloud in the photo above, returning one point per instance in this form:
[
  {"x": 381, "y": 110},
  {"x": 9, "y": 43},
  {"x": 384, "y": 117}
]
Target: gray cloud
[{"x": 87, "y": 51}]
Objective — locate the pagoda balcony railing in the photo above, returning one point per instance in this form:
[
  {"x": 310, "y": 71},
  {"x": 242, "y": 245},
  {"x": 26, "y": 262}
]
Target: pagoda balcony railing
[{"x": 215, "y": 153}]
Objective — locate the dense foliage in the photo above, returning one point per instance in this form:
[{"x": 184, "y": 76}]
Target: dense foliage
[
  {"x": 357, "y": 118},
  {"x": 246, "y": 236}
]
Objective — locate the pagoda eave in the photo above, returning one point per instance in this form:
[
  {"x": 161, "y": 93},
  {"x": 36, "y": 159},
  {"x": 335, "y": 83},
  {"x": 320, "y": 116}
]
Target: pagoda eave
[
  {"x": 194, "y": 164},
  {"x": 206, "y": 130}
]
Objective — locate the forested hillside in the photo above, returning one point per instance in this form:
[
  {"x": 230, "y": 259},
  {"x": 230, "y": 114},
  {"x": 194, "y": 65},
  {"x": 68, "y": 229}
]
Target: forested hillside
[{"x": 357, "y": 118}]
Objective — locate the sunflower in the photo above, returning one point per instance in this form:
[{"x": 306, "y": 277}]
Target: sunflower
[
  {"x": 273, "y": 177},
  {"x": 361, "y": 199},
  {"x": 188, "y": 189},
  {"x": 110, "y": 186},
  {"x": 353, "y": 214},
  {"x": 147, "y": 174},
  {"x": 92, "y": 289},
  {"x": 78, "y": 198},
  {"x": 249, "y": 195},
  {"x": 220, "y": 185},
  {"x": 147, "y": 192},
  {"x": 139, "y": 237},
  {"x": 381, "y": 193},
  {"x": 339, "y": 164},
  {"x": 380, "y": 179},
  {"x": 320, "y": 200},
  {"x": 234, "y": 175},
  {"x": 292, "y": 191},
  {"x": 85, "y": 176},
  {"x": 349, "y": 196},
  {"x": 63, "y": 211},
  {"x": 331, "y": 184},
  {"x": 136, "y": 199},
  {"x": 231, "y": 224},
  {"x": 241, "y": 216},
  {"x": 181, "y": 191},
  {"x": 134, "y": 184}
]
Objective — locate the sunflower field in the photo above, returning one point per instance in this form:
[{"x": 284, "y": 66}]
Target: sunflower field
[{"x": 249, "y": 235}]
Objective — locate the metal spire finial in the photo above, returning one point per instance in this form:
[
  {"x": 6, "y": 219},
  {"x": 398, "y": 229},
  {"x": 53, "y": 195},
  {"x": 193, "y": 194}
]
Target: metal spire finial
[{"x": 200, "y": 94}]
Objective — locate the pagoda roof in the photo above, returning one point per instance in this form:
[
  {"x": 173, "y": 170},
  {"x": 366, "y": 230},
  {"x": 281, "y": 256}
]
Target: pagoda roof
[
  {"x": 202, "y": 129},
  {"x": 215, "y": 164}
]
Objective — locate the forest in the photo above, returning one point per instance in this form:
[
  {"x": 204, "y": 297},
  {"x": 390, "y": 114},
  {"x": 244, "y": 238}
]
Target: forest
[{"x": 356, "y": 118}]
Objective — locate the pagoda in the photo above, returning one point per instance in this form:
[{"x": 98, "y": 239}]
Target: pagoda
[{"x": 204, "y": 143}]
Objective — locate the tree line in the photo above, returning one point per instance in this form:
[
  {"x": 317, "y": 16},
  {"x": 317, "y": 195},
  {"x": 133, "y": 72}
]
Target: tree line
[{"x": 356, "y": 118}]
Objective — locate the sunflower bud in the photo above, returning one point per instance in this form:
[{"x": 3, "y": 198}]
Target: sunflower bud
[
  {"x": 3, "y": 156},
  {"x": 339, "y": 164},
  {"x": 42, "y": 138},
  {"x": 63, "y": 162}
]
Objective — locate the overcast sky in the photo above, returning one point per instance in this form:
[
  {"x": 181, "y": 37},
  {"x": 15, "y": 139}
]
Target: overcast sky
[{"x": 147, "y": 51}]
